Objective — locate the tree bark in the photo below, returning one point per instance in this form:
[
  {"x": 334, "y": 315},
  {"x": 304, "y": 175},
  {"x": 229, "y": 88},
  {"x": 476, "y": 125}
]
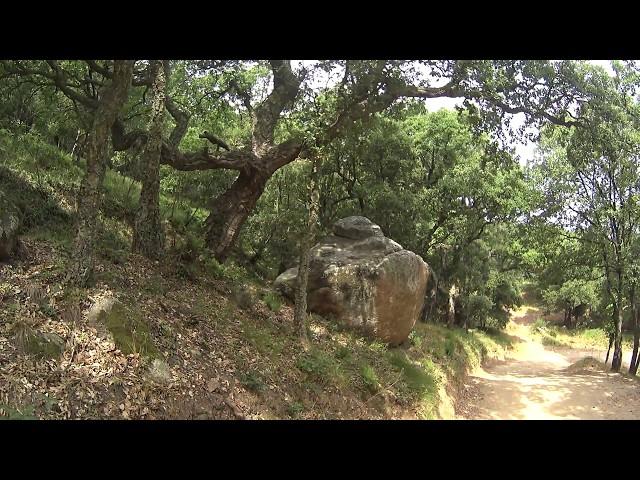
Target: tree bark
[
  {"x": 434, "y": 301},
  {"x": 148, "y": 235},
  {"x": 300, "y": 313},
  {"x": 451, "y": 312},
  {"x": 609, "y": 349},
  {"x": 230, "y": 210},
  {"x": 572, "y": 319},
  {"x": 89, "y": 198},
  {"x": 616, "y": 361},
  {"x": 633, "y": 364}
]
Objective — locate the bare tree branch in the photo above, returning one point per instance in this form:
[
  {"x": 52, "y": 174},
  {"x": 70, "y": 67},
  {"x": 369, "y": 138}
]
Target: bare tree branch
[
  {"x": 215, "y": 140},
  {"x": 265, "y": 117}
]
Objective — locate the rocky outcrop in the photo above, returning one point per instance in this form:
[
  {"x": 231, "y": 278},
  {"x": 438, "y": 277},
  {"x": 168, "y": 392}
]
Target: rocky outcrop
[
  {"x": 9, "y": 225},
  {"x": 364, "y": 280}
]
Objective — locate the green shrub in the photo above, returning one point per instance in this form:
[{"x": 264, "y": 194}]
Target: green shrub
[
  {"x": 263, "y": 339},
  {"x": 121, "y": 197},
  {"x": 539, "y": 325},
  {"x": 191, "y": 248},
  {"x": 320, "y": 367},
  {"x": 415, "y": 339},
  {"x": 294, "y": 409},
  {"x": 252, "y": 380},
  {"x": 36, "y": 203},
  {"x": 19, "y": 413},
  {"x": 343, "y": 353},
  {"x": 416, "y": 379},
  {"x": 242, "y": 297},
  {"x": 48, "y": 310},
  {"x": 273, "y": 301},
  {"x": 213, "y": 268},
  {"x": 111, "y": 244},
  {"x": 370, "y": 378},
  {"x": 449, "y": 347}
]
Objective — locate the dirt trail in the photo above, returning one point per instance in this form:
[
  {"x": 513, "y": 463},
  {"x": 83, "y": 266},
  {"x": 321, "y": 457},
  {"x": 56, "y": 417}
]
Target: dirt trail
[{"x": 536, "y": 383}]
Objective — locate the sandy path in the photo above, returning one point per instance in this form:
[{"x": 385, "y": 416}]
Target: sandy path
[{"x": 534, "y": 383}]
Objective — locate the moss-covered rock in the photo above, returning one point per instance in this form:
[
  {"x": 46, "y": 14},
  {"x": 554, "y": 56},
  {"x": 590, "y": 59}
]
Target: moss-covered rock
[
  {"x": 44, "y": 345},
  {"x": 128, "y": 329}
]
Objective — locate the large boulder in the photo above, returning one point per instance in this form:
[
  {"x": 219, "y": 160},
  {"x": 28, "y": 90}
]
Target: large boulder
[
  {"x": 286, "y": 282},
  {"x": 9, "y": 225},
  {"x": 365, "y": 280}
]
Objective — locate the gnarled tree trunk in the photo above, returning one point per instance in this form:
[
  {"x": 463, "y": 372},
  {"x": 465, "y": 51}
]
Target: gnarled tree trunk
[
  {"x": 148, "y": 235},
  {"x": 231, "y": 209},
  {"x": 89, "y": 197}
]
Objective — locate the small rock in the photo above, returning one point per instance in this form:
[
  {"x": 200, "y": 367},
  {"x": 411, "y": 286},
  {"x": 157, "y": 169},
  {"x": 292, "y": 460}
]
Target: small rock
[
  {"x": 160, "y": 372},
  {"x": 356, "y": 228}
]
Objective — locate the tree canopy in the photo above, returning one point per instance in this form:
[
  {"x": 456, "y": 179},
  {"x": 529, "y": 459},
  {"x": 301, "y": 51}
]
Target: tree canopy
[{"x": 243, "y": 145}]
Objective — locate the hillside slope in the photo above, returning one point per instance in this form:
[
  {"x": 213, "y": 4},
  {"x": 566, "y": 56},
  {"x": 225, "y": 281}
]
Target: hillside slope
[{"x": 212, "y": 341}]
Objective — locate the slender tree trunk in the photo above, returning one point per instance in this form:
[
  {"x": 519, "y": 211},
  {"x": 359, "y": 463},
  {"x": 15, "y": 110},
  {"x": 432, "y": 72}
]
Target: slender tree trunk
[
  {"x": 75, "y": 143},
  {"x": 89, "y": 198},
  {"x": 616, "y": 361},
  {"x": 230, "y": 210},
  {"x": 633, "y": 364},
  {"x": 451, "y": 313},
  {"x": 429, "y": 311},
  {"x": 300, "y": 314},
  {"x": 609, "y": 349},
  {"x": 148, "y": 235}
]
